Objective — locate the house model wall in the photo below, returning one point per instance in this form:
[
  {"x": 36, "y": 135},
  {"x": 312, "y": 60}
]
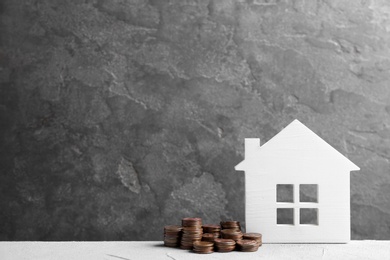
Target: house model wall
[{"x": 278, "y": 176}]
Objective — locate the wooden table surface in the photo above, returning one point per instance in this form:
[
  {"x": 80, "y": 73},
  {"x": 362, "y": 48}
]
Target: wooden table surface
[{"x": 156, "y": 250}]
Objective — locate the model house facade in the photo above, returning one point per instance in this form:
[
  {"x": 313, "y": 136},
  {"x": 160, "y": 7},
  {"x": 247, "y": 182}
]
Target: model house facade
[{"x": 297, "y": 188}]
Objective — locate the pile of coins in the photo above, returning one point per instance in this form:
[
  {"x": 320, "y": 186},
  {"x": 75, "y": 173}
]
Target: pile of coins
[
  {"x": 246, "y": 245},
  {"x": 206, "y": 239},
  {"x": 224, "y": 245},
  {"x": 203, "y": 247},
  {"x": 172, "y": 235},
  {"x": 192, "y": 232}
]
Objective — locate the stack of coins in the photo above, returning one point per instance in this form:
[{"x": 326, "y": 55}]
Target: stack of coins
[
  {"x": 192, "y": 231},
  {"x": 231, "y": 225},
  {"x": 246, "y": 245},
  {"x": 231, "y": 234},
  {"x": 205, "y": 239},
  {"x": 224, "y": 245},
  {"x": 203, "y": 247},
  {"x": 213, "y": 229},
  {"x": 172, "y": 235},
  {"x": 253, "y": 236}
]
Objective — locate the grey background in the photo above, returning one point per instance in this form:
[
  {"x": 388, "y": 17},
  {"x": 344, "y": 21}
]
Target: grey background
[{"x": 120, "y": 116}]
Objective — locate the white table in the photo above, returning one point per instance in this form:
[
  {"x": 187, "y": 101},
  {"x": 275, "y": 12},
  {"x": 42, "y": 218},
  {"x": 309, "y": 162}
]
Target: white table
[{"x": 156, "y": 250}]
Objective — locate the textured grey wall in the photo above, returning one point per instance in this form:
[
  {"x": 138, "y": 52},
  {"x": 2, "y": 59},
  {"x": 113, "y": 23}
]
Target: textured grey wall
[{"x": 120, "y": 116}]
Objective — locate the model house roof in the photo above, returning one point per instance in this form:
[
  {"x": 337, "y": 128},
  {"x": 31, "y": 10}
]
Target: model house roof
[{"x": 294, "y": 144}]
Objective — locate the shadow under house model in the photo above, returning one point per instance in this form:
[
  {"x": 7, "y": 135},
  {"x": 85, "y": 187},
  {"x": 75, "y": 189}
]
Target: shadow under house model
[{"x": 297, "y": 188}]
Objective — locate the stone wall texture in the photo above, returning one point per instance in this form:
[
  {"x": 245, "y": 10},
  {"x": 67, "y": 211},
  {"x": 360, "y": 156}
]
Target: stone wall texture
[{"x": 118, "y": 117}]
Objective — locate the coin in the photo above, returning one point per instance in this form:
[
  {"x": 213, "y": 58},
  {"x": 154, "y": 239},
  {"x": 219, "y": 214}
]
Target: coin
[
  {"x": 172, "y": 228},
  {"x": 224, "y": 242},
  {"x": 203, "y": 244}
]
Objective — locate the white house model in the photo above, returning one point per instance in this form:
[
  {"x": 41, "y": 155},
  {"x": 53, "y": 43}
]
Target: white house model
[{"x": 297, "y": 188}]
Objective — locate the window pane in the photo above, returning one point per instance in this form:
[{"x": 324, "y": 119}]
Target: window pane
[
  {"x": 284, "y": 193},
  {"x": 285, "y": 216},
  {"x": 308, "y": 193},
  {"x": 308, "y": 216}
]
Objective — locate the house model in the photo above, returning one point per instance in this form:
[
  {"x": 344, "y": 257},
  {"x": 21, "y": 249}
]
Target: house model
[{"x": 297, "y": 188}]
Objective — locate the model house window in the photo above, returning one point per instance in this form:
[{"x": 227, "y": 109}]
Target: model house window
[
  {"x": 284, "y": 193},
  {"x": 298, "y": 206},
  {"x": 308, "y": 216},
  {"x": 285, "y": 216},
  {"x": 308, "y": 193}
]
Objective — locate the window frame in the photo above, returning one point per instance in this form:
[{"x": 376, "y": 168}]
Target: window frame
[{"x": 296, "y": 205}]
